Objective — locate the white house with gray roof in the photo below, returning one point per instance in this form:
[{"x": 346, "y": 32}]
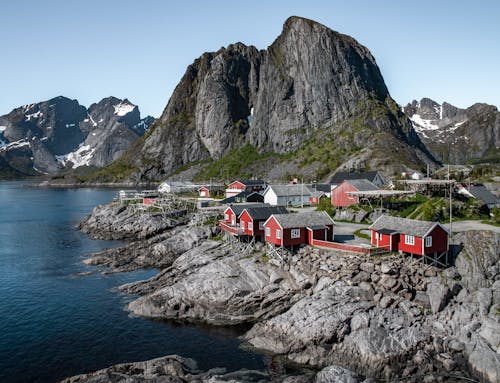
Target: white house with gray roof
[{"x": 287, "y": 195}]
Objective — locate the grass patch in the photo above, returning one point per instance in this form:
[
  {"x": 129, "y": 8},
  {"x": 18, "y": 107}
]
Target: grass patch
[
  {"x": 492, "y": 223},
  {"x": 359, "y": 234}
]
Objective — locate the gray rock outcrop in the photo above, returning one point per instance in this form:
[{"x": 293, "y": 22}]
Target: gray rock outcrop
[{"x": 310, "y": 84}]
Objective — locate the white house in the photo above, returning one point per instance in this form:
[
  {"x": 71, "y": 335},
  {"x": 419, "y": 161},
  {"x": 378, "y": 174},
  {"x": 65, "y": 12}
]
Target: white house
[{"x": 287, "y": 195}]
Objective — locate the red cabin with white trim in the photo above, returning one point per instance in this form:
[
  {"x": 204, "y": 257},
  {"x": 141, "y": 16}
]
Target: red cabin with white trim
[
  {"x": 298, "y": 229},
  {"x": 231, "y": 221},
  {"x": 409, "y": 235},
  {"x": 204, "y": 192},
  {"x": 252, "y": 218}
]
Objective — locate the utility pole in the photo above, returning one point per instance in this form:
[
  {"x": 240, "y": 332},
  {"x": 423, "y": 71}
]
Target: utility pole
[{"x": 451, "y": 212}]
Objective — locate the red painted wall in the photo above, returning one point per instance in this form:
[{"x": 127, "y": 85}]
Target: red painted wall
[
  {"x": 204, "y": 192},
  {"x": 236, "y": 185},
  {"x": 340, "y": 197},
  {"x": 273, "y": 225},
  {"x": 148, "y": 201},
  {"x": 289, "y": 241},
  {"x": 439, "y": 241},
  {"x": 413, "y": 249},
  {"x": 385, "y": 241},
  {"x": 230, "y": 214},
  {"x": 246, "y": 219}
]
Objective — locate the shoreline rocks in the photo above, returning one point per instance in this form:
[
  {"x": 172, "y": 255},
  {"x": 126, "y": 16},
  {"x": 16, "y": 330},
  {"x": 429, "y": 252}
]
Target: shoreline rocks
[{"x": 384, "y": 317}]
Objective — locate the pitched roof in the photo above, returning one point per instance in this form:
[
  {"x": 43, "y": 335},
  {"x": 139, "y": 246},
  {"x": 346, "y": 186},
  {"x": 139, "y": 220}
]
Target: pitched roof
[
  {"x": 480, "y": 192},
  {"x": 362, "y": 184},
  {"x": 251, "y": 182},
  {"x": 317, "y": 193},
  {"x": 340, "y": 177},
  {"x": 239, "y": 207},
  {"x": 306, "y": 219},
  {"x": 289, "y": 190},
  {"x": 264, "y": 212},
  {"x": 326, "y": 188},
  {"x": 403, "y": 225}
]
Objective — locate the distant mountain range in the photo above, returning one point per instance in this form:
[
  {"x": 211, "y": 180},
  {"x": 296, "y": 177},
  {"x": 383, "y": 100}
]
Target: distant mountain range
[
  {"x": 58, "y": 135},
  {"x": 454, "y": 135}
]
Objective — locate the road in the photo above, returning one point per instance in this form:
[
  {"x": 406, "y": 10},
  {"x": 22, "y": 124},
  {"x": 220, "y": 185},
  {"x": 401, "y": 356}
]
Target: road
[{"x": 471, "y": 225}]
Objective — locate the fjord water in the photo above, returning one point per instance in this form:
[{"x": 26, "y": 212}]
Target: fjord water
[{"x": 55, "y": 323}]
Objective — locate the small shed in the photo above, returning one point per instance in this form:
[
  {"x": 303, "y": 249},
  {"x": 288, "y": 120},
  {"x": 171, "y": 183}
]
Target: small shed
[
  {"x": 340, "y": 196},
  {"x": 204, "y": 192},
  {"x": 298, "y": 229},
  {"x": 409, "y": 235},
  {"x": 316, "y": 195}
]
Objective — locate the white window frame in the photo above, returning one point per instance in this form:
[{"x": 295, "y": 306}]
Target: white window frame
[
  {"x": 250, "y": 226},
  {"x": 278, "y": 233},
  {"x": 268, "y": 231},
  {"x": 226, "y": 217},
  {"x": 295, "y": 233},
  {"x": 242, "y": 225},
  {"x": 261, "y": 225},
  {"x": 428, "y": 241},
  {"x": 379, "y": 236},
  {"x": 409, "y": 240}
]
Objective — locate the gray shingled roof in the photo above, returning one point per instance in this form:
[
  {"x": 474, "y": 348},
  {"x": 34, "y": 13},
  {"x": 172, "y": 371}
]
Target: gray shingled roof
[
  {"x": 480, "y": 192},
  {"x": 264, "y": 212},
  {"x": 402, "y": 225},
  {"x": 306, "y": 219},
  {"x": 238, "y": 208},
  {"x": 252, "y": 182},
  {"x": 289, "y": 190},
  {"x": 363, "y": 185},
  {"x": 340, "y": 177},
  {"x": 317, "y": 193}
]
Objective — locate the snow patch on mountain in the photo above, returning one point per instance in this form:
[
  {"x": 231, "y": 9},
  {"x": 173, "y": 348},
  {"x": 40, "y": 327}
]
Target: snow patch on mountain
[
  {"x": 14, "y": 145},
  {"x": 80, "y": 157},
  {"x": 33, "y": 115},
  {"x": 122, "y": 109},
  {"x": 421, "y": 124}
]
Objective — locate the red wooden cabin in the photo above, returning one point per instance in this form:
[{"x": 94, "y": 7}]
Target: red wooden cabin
[
  {"x": 204, "y": 192},
  {"x": 409, "y": 235},
  {"x": 231, "y": 221},
  {"x": 293, "y": 229},
  {"x": 340, "y": 198},
  {"x": 239, "y": 186},
  {"x": 252, "y": 218}
]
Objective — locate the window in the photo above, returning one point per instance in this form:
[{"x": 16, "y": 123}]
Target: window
[
  {"x": 268, "y": 232},
  {"x": 250, "y": 226},
  {"x": 226, "y": 217},
  {"x": 261, "y": 225},
  {"x": 278, "y": 233},
  {"x": 242, "y": 225},
  {"x": 428, "y": 241},
  {"x": 409, "y": 240},
  {"x": 295, "y": 233},
  {"x": 379, "y": 235}
]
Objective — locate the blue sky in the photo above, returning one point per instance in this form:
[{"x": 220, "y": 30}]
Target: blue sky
[{"x": 442, "y": 49}]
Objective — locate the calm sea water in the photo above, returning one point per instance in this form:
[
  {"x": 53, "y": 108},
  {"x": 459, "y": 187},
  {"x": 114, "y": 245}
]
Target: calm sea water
[{"x": 54, "y": 323}]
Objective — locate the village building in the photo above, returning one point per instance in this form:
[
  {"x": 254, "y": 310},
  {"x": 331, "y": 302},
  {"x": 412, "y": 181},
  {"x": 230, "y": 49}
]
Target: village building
[
  {"x": 252, "y": 219},
  {"x": 373, "y": 176},
  {"x": 340, "y": 194},
  {"x": 316, "y": 195},
  {"x": 231, "y": 221},
  {"x": 409, "y": 236},
  {"x": 325, "y": 188},
  {"x": 287, "y": 195},
  {"x": 287, "y": 230},
  {"x": 204, "y": 192},
  {"x": 238, "y": 186},
  {"x": 483, "y": 195}
]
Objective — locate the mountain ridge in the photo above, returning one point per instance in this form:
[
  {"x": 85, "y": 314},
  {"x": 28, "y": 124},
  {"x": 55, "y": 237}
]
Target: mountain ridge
[
  {"x": 59, "y": 134},
  {"x": 456, "y": 135},
  {"x": 311, "y": 81}
]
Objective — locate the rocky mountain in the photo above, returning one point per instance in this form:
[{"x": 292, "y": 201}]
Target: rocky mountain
[
  {"x": 313, "y": 99},
  {"x": 455, "y": 135},
  {"x": 60, "y": 134}
]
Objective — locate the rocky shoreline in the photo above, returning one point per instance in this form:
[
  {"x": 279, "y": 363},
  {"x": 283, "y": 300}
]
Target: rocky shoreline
[{"x": 389, "y": 318}]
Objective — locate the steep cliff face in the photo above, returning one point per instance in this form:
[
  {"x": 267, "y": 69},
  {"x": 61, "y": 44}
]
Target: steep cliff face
[
  {"x": 311, "y": 84},
  {"x": 50, "y": 136},
  {"x": 455, "y": 135}
]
